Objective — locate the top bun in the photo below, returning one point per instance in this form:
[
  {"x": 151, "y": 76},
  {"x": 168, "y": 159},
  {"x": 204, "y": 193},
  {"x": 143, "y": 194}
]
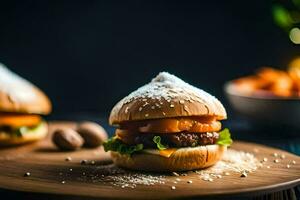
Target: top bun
[
  {"x": 166, "y": 96},
  {"x": 20, "y": 96}
]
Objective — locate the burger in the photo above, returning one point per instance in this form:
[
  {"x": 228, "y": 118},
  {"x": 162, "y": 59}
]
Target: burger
[
  {"x": 167, "y": 125},
  {"x": 21, "y": 107}
]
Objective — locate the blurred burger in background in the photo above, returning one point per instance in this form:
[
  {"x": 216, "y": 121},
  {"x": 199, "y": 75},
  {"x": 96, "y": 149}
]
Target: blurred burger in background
[{"x": 21, "y": 107}]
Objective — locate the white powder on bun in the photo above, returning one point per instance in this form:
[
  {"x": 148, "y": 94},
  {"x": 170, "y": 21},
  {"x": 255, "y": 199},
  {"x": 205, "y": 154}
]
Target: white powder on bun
[{"x": 15, "y": 86}]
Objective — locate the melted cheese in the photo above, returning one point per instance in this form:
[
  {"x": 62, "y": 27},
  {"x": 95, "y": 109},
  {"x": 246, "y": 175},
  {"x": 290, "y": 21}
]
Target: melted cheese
[{"x": 165, "y": 153}]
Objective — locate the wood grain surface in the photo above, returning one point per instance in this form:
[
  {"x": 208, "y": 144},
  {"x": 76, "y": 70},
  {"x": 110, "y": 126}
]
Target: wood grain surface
[{"x": 50, "y": 173}]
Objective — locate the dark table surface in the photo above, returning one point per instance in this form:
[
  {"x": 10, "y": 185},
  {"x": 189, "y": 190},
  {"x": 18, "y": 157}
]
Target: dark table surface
[{"x": 241, "y": 129}]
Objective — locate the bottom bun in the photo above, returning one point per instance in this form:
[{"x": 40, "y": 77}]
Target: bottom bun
[
  {"x": 8, "y": 139},
  {"x": 183, "y": 159}
]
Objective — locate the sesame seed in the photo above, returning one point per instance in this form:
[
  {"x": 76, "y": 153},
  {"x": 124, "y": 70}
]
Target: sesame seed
[
  {"x": 152, "y": 107},
  {"x": 83, "y": 162},
  {"x": 268, "y": 167},
  {"x": 146, "y": 115},
  {"x": 175, "y": 173},
  {"x": 163, "y": 113},
  {"x": 71, "y": 169},
  {"x": 181, "y": 101},
  {"x": 68, "y": 159},
  {"x": 219, "y": 176},
  {"x": 275, "y": 154},
  {"x": 244, "y": 174},
  {"x": 294, "y": 162},
  {"x": 63, "y": 182},
  {"x": 282, "y": 156},
  {"x": 276, "y": 161},
  {"x": 27, "y": 174},
  {"x": 178, "y": 179},
  {"x": 172, "y": 106},
  {"x": 190, "y": 181},
  {"x": 210, "y": 180},
  {"x": 93, "y": 162},
  {"x": 140, "y": 109},
  {"x": 173, "y": 187},
  {"x": 126, "y": 110},
  {"x": 227, "y": 173},
  {"x": 265, "y": 159},
  {"x": 288, "y": 166},
  {"x": 175, "y": 182}
]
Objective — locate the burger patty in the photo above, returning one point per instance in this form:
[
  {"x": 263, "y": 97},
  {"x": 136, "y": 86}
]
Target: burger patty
[{"x": 178, "y": 140}]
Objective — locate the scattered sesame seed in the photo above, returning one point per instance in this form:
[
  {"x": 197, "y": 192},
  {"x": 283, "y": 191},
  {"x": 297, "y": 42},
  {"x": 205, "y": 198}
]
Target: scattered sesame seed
[
  {"x": 181, "y": 101},
  {"x": 146, "y": 115},
  {"x": 265, "y": 159},
  {"x": 175, "y": 182},
  {"x": 83, "y": 162},
  {"x": 210, "y": 180},
  {"x": 178, "y": 179},
  {"x": 282, "y": 156},
  {"x": 190, "y": 181},
  {"x": 27, "y": 174},
  {"x": 140, "y": 109},
  {"x": 71, "y": 169},
  {"x": 227, "y": 173},
  {"x": 276, "y": 161},
  {"x": 175, "y": 174},
  {"x": 172, "y": 106},
  {"x": 173, "y": 187},
  {"x": 275, "y": 154},
  {"x": 268, "y": 167},
  {"x": 152, "y": 107},
  {"x": 184, "y": 174},
  {"x": 68, "y": 159},
  {"x": 93, "y": 162},
  {"x": 163, "y": 113},
  {"x": 63, "y": 182},
  {"x": 294, "y": 162},
  {"x": 288, "y": 166}
]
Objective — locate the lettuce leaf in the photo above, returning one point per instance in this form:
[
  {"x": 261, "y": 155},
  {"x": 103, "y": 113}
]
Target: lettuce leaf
[
  {"x": 115, "y": 144},
  {"x": 159, "y": 145},
  {"x": 224, "y": 138}
]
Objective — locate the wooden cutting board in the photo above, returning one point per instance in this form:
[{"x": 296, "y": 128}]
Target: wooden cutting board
[{"x": 50, "y": 173}]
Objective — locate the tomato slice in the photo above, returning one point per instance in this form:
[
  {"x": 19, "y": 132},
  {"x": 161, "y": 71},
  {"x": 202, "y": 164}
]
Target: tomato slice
[
  {"x": 17, "y": 120},
  {"x": 175, "y": 125}
]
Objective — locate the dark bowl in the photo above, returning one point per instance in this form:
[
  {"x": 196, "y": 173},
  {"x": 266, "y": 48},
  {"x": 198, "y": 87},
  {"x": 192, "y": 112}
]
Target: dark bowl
[{"x": 265, "y": 110}]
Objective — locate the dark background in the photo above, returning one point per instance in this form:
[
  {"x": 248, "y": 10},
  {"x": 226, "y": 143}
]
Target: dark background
[{"x": 86, "y": 55}]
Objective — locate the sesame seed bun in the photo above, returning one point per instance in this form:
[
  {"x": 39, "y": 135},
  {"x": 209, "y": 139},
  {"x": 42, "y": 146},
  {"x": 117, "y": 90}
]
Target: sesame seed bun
[
  {"x": 166, "y": 96},
  {"x": 183, "y": 159},
  {"x": 17, "y": 95},
  {"x": 9, "y": 139}
]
